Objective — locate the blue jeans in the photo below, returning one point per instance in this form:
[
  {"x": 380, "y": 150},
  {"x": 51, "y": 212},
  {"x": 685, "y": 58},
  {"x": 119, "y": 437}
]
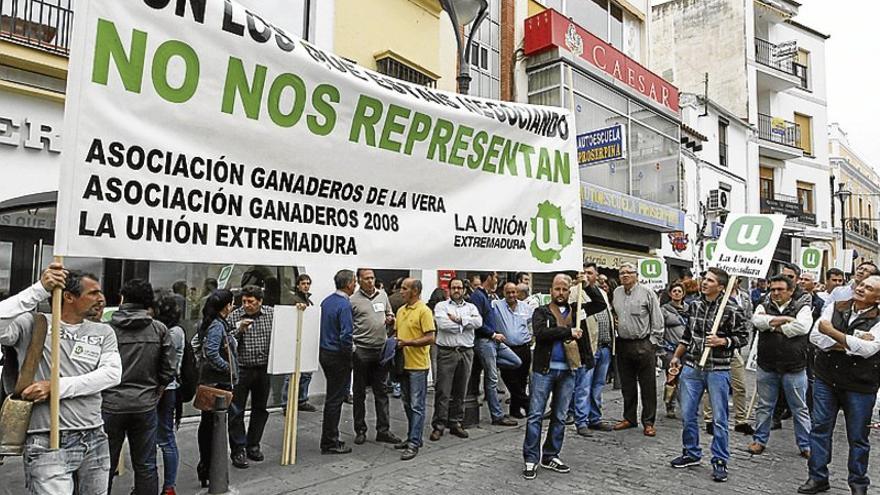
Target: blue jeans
[
  {"x": 493, "y": 356},
  {"x": 83, "y": 453},
  {"x": 580, "y": 397},
  {"x": 692, "y": 382},
  {"x": 561, "y": 384},
  {"x": 413, "y": 390},
  {"x": 794, "y": 385},
  {"x": 166, "y": 439},
  {"x": 600, "y": 373},
  {"x": 304, "y": 380},
  {"x": 857, "y": 408}
]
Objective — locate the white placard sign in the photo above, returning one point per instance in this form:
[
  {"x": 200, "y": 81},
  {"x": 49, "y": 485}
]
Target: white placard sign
[
  {"x": 201, "y": 132},
  {"x": 811, "y": 261},
  {"x": 282, "y": 347},
  {"x": 652, "y": 273},
  {"x": 747, "y": 243},
  {"x": 844, "y": 260}
]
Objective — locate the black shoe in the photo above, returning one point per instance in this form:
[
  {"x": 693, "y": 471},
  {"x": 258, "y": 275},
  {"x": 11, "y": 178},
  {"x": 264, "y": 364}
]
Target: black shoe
[
  {"x": 402, "y": 445},
  {"x": 786, "y": 414},
  {"x": 530, "y": 472},
  {"x": 202, "y": 473},
  {"x": 719, "y": 471},
  {"x": 858, "y": 490},
  {"x": 239, "y": 460},
  {"x": 504, "y": 421},
  {"x": 339, "y": 448},
  {"x": 517, "y": 413},
  {"x": 255, "y": 454},
  {"x": 409, "y": 453},
  {"x": 812, "y": 486},
  {"x": 601, "y": 426},
  {"x": 776, "y": 424},
  {"x": 458, "y": 431},
  {"x": 569, "y": 419},
  {"x": 584, "y": 431},
  {"x": 387, "y": 437},
  {"x": 710, "y": 428},
  {"x": 555, "y": 464},
  {"x": 348, "y": 399},
  {"x": 745, "y": 429},
  {"x": 307, "y": 407},
  {"x": 360, "y": 438}
]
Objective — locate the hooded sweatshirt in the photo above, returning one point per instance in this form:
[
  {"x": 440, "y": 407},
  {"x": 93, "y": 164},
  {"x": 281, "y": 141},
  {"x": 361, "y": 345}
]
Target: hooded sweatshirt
[{"x": 148, "y": 361}]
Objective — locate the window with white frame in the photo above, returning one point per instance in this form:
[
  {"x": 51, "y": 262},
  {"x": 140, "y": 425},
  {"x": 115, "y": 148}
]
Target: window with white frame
[{"x": 485, "y": 55}]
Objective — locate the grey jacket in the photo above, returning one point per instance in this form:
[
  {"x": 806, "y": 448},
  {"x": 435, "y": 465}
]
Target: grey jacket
[{"x": 148, "y": 361}]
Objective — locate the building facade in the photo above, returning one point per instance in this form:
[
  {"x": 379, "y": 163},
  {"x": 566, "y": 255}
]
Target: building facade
[
  {"x": 769, "y": 71},
  {"x": 590, "y": 56},
  {"x": 856, "y": 210}
]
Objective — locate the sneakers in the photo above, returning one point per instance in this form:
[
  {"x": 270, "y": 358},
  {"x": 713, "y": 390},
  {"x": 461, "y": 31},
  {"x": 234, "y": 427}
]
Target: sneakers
[
  {"x": 555, "y": 464},
  {"x": 684, "y": 461},
  {"x": 530, "y": 472},
  {"x": 719, "y": 471}
]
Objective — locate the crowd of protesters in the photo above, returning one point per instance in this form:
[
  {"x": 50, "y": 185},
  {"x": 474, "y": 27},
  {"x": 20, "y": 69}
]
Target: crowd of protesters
[{"x": 816, "y": 346}]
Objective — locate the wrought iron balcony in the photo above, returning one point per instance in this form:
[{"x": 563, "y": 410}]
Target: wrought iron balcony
[
  {"x": 862, "y": 227},
  {"x": 781, "y": 58},
  {"x": 42, "y": 24},
  {"x": 779, "y": 131}
]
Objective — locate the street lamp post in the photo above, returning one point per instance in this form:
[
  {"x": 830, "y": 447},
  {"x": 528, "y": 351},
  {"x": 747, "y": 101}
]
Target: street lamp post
[
  {"x": 842, "y": 194},
  {"x": 462, "y": 13}
]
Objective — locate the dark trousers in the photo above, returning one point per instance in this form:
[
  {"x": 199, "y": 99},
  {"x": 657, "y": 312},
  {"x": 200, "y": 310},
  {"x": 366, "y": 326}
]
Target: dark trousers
[
  {"x": 517, "y": 379},
  {"x": 206, "y": 430},
  {"x": 453, "y": 370},
  {"x": 253, "y": 381},
  {"x": 636, "y": 362},
  {"x": 141, "y": 430},
  {"x": 369, "y": 373},
  {"x": 337, "y": 370}
]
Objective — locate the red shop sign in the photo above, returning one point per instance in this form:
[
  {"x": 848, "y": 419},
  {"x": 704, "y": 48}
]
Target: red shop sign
[{"x": 550, "y": 29}]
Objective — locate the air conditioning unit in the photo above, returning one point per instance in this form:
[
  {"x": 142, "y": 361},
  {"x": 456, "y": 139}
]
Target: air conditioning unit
[{"x": 719, "y": 201}]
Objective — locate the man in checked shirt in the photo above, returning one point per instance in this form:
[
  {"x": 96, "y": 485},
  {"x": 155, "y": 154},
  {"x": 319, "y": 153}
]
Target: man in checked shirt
[{"x": 252, "y": 327}]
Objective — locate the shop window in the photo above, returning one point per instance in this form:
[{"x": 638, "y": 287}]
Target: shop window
[
  {"x": 806, "y": 196},
  {"x": 768, "y": 189},
  {"x": 805, "y": 128}
]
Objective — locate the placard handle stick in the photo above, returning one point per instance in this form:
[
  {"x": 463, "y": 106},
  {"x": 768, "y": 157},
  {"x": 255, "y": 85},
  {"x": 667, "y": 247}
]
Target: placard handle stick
[
  {"x": 731, "y": 283},
  {"x": 289, "y": 448},
  {"x": 55, "y": 376}
]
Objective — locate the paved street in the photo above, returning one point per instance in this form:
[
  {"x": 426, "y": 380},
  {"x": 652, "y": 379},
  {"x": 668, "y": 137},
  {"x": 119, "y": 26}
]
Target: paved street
[{"x": 490, "y": 462}]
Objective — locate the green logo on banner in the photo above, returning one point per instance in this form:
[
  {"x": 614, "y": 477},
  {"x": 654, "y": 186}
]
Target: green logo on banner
[
  {"x": 710, "y": 249},
  {"x": 551, "y": 233},
  {"x": 811, "y": 258},
  {"x": 749, "y": 234},
  {"x": 651, "y": 269}
]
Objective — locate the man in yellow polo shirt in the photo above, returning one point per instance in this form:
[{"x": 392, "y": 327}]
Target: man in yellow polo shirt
[{"x": 415, "y": 334}]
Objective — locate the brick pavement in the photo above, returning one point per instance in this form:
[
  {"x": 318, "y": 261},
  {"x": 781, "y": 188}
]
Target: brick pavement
[{"x": 491, "y": 460}]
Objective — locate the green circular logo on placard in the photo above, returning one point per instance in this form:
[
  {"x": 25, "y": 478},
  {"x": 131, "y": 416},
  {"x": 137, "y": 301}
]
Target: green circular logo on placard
[
  {"x": 811, "y": 258},
  {"x": 749, "y": 234},
  {"x": 550, "y": 233},
  {"x": 651, "y": 269}
]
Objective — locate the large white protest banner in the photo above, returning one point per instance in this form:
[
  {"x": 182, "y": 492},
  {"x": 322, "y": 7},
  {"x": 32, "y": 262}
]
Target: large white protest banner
[
  {"x": 206, "y": 134},
  {"x": 746, "y": 245}
]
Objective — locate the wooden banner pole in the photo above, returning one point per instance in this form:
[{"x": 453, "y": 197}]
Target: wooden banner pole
[
  {"x": 294, "y": 416},
  {"x": 55, "y": 376},
  {"x": 731, "y": 283},
  {"x": 751, "y": 404}
]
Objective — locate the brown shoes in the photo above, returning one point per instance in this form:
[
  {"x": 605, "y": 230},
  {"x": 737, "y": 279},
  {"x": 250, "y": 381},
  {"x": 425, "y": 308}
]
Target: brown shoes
[
  {"x": 805, "y": 454},
  {"x": 623, "y": 425},
  {"x": 756, "y": 448},
  {"x": 435, "y": 435},
  {"x": 650, "y": 431}
]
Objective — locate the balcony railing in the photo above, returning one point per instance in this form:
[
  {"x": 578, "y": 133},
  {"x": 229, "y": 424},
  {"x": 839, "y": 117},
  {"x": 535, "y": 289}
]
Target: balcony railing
[
  {"x": 767, "y": 54},
  {"x": 779, "y": 131},
  {"x": 42, "y": 24},
  {"x": 862, "y": 227}
]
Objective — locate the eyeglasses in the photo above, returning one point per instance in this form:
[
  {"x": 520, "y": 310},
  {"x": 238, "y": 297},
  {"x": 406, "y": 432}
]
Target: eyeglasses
[{"x": 627, "y": 273}]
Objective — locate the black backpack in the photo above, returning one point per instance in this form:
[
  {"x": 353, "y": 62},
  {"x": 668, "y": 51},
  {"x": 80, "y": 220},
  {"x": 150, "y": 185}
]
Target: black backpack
[{"x": 189, "y": 374}]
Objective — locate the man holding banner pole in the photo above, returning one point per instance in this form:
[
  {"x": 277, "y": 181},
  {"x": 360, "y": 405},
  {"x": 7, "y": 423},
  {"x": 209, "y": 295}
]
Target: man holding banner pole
[
  {"x": 722, "y": 339},
  {"x": 90, "y": 363}
]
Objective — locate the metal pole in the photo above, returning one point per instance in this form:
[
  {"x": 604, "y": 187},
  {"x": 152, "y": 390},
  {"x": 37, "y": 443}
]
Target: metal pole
[{"x": 218, "y": 474}]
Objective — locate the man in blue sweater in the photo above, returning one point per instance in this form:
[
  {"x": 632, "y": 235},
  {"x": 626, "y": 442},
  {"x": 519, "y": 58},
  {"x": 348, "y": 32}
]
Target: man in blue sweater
[{"x": 335, "y": 358}]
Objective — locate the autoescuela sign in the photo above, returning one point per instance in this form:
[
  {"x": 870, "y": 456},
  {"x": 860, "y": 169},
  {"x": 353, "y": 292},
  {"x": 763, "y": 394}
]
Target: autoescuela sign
[
  {"x": 198, "y": 131},
  {"x": 601, "y": 145}
]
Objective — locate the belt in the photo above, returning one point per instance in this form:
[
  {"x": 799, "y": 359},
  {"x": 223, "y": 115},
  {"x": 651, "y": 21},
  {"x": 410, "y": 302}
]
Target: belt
[
  {"x": 646, "y": 337},
  {"x": 454, "y": 348}
]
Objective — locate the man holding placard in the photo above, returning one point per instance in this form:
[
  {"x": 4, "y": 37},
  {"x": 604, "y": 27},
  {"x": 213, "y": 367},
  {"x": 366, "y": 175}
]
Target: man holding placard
[
  {"x": 89, "y": 362},
  {"x": 717, "y": 325},
  {"x": 848, "y": 340}
]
